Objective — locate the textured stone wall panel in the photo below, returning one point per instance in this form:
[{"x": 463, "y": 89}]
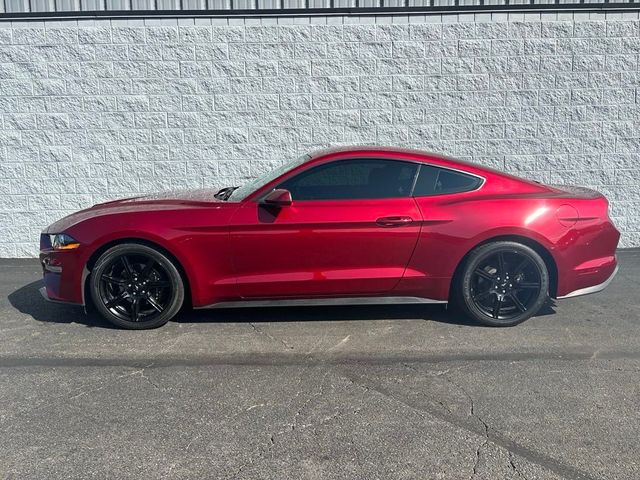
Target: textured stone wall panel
[{"x": 95, "y": 110}]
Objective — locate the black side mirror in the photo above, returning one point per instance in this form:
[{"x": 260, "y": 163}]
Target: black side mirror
[{"x": 278, "y": 198}]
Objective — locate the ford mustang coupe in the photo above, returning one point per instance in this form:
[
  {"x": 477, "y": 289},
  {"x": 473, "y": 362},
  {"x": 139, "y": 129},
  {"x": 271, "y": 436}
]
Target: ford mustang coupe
[{"x": 345, "y": 226}]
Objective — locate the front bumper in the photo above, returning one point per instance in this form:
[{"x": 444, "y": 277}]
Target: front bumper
[
  {"x": 63, "y": 274},
  {"x": 592, "y": 289},
  {"x": 43, "y": 292}
]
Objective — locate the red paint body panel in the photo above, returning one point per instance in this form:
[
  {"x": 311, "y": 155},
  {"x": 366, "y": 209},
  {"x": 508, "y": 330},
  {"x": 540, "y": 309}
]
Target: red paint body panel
[
  {"x": 320, "y": 248},
  {"x": 236, "y": 250}
]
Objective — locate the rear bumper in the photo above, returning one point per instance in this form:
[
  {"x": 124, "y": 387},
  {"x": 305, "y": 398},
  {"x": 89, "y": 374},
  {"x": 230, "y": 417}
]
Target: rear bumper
[
  {"x": 587, "y": 263},
  {"x": 592, "y": 289}
]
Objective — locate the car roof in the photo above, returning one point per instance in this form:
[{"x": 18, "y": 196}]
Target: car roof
[
  {"x": 404, "y": 151},
  {"x": 420, "y": 155},
  {"x": 378, "y": 148}
]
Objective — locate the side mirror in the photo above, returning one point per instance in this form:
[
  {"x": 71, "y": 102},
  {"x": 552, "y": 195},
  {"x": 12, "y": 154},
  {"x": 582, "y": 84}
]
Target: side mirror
[{"x": 278, "y": 198}]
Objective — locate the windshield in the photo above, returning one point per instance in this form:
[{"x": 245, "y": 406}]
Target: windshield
[{"x": 247, "y": 189}]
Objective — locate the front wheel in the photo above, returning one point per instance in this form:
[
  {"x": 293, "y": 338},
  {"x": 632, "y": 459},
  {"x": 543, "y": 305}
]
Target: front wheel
[
  {"x": 504, "y": 283},
  {"x": 136, "y": 287}
]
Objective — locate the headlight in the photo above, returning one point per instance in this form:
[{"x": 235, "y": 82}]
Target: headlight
[{"x": 62, "y": 241}]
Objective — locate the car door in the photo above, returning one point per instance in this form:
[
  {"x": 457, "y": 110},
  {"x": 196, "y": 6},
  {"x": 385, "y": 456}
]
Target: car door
[{"x": 350, "y": 230}]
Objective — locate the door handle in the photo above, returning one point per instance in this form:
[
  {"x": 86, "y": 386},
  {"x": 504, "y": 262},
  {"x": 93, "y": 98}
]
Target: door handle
[{"x": 394, "y": 221}]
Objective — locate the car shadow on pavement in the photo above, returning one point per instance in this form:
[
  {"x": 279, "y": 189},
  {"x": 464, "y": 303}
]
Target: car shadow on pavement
[
  {"x": 433, "y": 312},
  {"x": 28, "y": 300},
  {"x": 437, "y": 313}
]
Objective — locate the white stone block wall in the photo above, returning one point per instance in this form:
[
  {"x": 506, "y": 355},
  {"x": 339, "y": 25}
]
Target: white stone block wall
[{"x": 97, "y": 110}]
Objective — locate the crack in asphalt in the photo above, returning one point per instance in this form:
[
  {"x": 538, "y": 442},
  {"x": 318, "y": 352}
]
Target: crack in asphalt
[
  {"x": 85, "y": 391},
  {"x": 269, "y": 336},
  {"x": 261, "y": 452},
  {"x": 484, "y": 430},
  {"x": 473, "y": 413},
  {"x": 514, "y": 467},
  {"x": 151, "y": 382},
  {"x": 97, "y": 389},
  {"x": 290, "y": 427},
  {"x": 482, "y": 445}
]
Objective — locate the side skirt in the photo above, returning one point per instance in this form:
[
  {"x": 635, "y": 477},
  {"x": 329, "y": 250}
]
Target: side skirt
[{"x": 318, "y": 302}]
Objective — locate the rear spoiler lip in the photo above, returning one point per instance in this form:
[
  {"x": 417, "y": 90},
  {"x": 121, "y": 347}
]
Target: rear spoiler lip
[{"x": 577, "y": 191}]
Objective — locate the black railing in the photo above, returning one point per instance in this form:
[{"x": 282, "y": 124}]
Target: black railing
[{"x": 13, "y": 9}]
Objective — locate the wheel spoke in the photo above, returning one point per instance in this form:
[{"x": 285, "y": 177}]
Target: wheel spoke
[
  {"x": 135, "y": 309},
  {"x": 146, "y": 271},
  {"x": 159, "y": 284},
  {"x": 113, "y": 280},
  {"x": 480, "y": 272},
  {"x": 127, "y": 266},
  {"x": 517, "y": 302},
  {"x": 116, "y": 300},
  {"x": 501, "y": 266},
  {"x": 527, "y": 285},
  {"x": 482, "y": 296},
  {"x": 521, "y": 266},
  {"x": 496, "y": 307},
  {"x": 152, "y": 301}
]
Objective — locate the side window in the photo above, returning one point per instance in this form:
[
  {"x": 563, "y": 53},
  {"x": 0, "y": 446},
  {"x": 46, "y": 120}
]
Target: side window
[
  {"x": 437, "y": 181},
  {"x": 366, "y": 178}
]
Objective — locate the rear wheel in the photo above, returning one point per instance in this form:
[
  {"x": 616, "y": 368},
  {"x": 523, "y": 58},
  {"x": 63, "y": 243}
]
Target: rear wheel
[
  {"x": 504, "y": 283},
  {"x": 135, "y": 286}
]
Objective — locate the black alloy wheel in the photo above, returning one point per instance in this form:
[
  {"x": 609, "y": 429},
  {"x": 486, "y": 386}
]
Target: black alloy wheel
[
  {"x": 135, "y": 286},
  {"x": 504, "y": 283}
]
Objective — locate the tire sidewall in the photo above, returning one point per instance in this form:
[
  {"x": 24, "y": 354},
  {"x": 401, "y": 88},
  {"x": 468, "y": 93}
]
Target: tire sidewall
[
  {"x": 477, "y": 256},
  {"x": 134, "y": 248}
]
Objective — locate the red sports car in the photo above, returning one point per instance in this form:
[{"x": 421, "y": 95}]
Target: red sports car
[{"x": 346, "y": 226}]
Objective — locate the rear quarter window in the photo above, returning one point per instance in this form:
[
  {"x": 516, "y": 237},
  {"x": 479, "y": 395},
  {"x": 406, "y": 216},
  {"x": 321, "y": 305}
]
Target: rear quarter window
[{"x": 438, "y": 181}]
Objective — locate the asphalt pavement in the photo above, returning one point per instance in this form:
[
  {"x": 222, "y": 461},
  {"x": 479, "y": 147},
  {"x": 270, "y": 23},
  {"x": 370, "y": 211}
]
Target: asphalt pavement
[{"x": 384, "y": 392}]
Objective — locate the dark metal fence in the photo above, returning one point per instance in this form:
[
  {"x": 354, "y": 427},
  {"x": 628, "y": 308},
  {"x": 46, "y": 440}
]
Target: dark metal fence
[{"x": 16, "y": 8}]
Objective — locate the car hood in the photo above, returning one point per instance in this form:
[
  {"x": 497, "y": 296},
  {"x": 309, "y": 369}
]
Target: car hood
[
  {"x": 206, "y": 195},
  {"x": 156, "y": 201}
]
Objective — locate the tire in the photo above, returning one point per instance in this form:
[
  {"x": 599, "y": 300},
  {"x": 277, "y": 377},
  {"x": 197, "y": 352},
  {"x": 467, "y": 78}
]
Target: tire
[
  {"x": 503, "y": 284},
  {"x": 136, "y": 287}
]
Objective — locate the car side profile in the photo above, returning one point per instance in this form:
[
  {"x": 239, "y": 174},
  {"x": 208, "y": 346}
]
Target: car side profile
[{"x": 344, "y": 226}]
